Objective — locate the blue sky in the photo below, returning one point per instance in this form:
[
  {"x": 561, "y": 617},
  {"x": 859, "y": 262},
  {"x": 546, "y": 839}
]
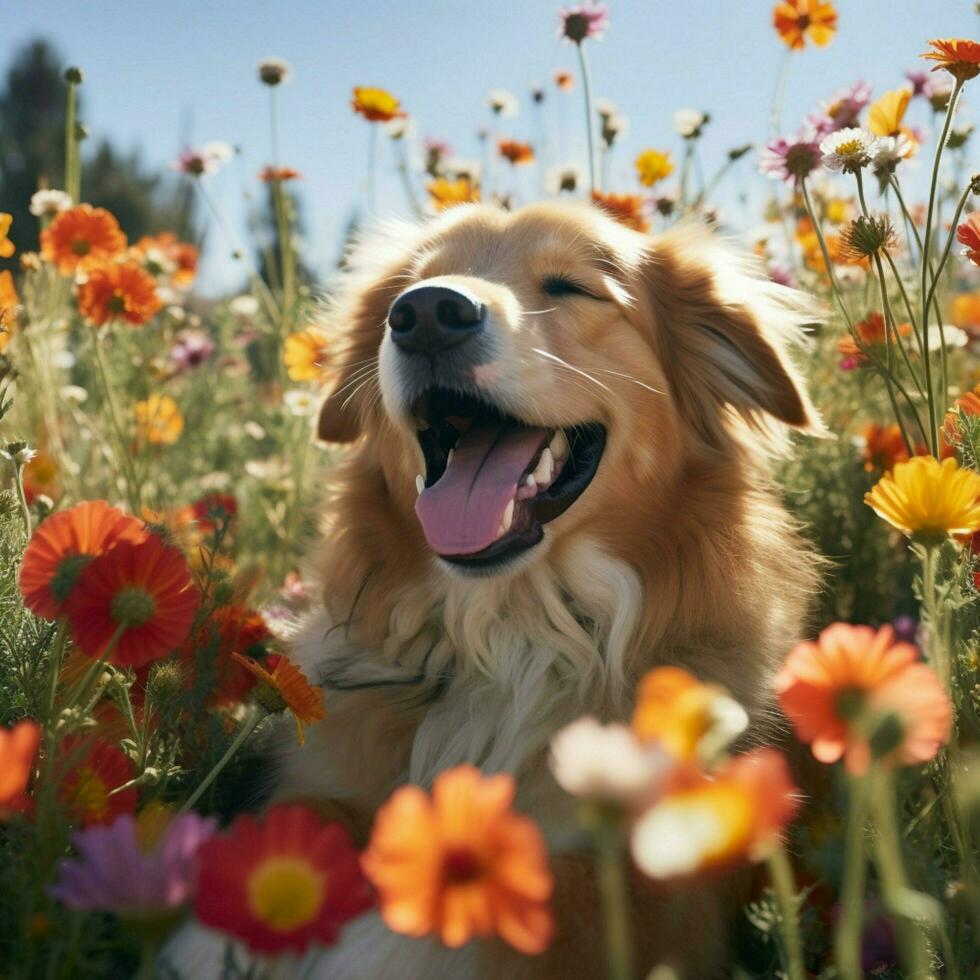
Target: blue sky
[{"x": 159, "y": 73}]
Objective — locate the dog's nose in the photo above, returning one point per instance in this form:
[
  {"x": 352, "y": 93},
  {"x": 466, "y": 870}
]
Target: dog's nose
[{"x": 429, "y": 319}]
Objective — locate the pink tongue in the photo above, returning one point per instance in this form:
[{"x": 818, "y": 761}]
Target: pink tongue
[{"x": 461, "y": 512}]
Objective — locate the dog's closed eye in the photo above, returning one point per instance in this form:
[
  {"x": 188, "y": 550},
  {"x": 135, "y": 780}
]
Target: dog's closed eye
[{"x": 559, "y": 285}]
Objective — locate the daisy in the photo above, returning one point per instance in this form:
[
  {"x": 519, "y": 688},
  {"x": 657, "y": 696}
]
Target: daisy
[
  {"x": 93, "y": 772},
  {"x": 81, "y": 236},
  {"x": 968, "y": 235},
  {"x": 48, "y": 203},
  {"x": 135, "y": 603},
  {"x": 300, "y": 402},
  {"x": 587, "y": 20},
  {"x": 796, "y": 21},
  {"x": 280, "y": 882},
  {"x": 18, "y": 746},
  {"x": 627, "y": 209},
  {"x": 960, "y": 57},
  {"x": 503, "y": 104},
  {"x": 461, "y": 863},
  {"x": 689, "y": 123},
  {"x": 790, "y": 159},
  {"x": 284, "y": 687},
  {"x": 848, "y": 150},
  {"x": 516, "y": 153},
  {"x": 159, "y": 421},
  {"x": 652, "y": 166},
  {"x": 208, "y": 160},
  {"x": 118, "y": 291},
  {"x": 889, "y": 152}
]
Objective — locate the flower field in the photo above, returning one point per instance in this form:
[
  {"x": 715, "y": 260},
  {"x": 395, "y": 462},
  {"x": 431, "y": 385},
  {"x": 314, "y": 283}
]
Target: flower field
[{"x": 158, "y": 504}]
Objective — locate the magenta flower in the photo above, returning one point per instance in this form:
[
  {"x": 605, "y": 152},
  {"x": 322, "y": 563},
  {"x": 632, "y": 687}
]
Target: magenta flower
[
  {"x": 192, "y": 349},
  {"x": 587, "y": 20},
  {"x": 791, "y": 159},
  {"x": 206, "y": 160},
  {"x": 114, "y": 873},
  {"x": 841, "y": 111},
  {"x": 918, "y": 80}
]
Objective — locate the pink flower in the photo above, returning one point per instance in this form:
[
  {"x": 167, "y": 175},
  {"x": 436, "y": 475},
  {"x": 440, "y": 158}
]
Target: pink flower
[
  {"x": 791, "y": 159},
  {"x": 841, "y": 111},
  {"x": 587, "y": 20}
]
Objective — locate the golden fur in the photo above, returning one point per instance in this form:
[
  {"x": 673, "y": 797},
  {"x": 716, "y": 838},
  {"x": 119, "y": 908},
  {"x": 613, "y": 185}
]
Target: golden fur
[{"x": 678, "y": 552}]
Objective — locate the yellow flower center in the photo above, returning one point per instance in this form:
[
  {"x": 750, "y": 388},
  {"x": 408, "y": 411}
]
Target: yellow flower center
[
  {"x": 90, "y": 796},
  {"x": 848, "y": 147},
  {"x": 285, "y": 893}
]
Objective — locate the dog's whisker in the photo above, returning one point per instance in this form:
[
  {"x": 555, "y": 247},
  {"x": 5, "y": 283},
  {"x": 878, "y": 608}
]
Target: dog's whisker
[{"x": 554, "y": 357}]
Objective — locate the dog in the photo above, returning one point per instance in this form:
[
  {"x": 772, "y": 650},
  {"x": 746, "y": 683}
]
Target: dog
[{"x": 559, "y": 433}]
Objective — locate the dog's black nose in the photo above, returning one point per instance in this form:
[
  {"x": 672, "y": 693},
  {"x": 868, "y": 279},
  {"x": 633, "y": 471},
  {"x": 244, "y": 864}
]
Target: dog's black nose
[{"x": 429, "y": 319}]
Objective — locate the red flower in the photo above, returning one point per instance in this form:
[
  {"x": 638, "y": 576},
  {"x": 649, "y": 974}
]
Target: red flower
[
  {"x": 141, "y": 591},
  {"x": 968, "y": 234},
  {"x": 281, "y": 882},
  {"x": 63, "y": 545},
  {"x": 17, "y": 748},
  {"x": 93, "y": 769},
  {"x": 213, "y": 508}
]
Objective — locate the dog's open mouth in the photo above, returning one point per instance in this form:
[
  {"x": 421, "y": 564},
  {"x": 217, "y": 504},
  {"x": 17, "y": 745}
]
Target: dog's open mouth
[{"x": 493, "y": 481}]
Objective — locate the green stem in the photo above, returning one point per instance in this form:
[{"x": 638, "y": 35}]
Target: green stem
[
  {"x": 779, "y": 92},
  {"x": 25, "y": 510},
  {"x": 372, "y": 168},
  {"x": 56, "y": 656},
  {"x": 615, "y": 896},
  {"x": 950, "y": 238},
  {"x": 784, "y": 886},
  {"x": 849, "y": 931},
  {"x": 248, "y": 726},
  {"x": 589, "y": 112},
  {"x": 72, "y": 169},
  {"x": 406, "y": 178}
]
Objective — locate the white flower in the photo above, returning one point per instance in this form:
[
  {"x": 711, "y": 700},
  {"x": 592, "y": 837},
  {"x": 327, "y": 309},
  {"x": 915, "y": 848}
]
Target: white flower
[
  {"x": 218, "y": 152},
  {"x": 45, "y": 204},
  {"x": 300, "y": 402},
  {"x": 63, "y": 359},
  {"x": 848, "y": 149},
  {"x": 673, "y": 838},
  {"x": 74, "y": 393},
  {"x": 606, "y": 762},
  {"x": 253, "y": 429},
  {"x": 566, "y": 177},
  {"x": 502, "y": 103},
  {"x": 244, "y": 306},
  {"x": 18, "y": 453},
  {"x": 462, "y": 168},
  {"x": 727, "y": 719},
  {"x": 606, "y": 108},
  {"x": 953, "y": 336},
  {"x": 689, "y": 122},
  {"x": 613, "y": 127},
  {"x": 889, "y": 151},
  {"x": 400, "y": 127}
]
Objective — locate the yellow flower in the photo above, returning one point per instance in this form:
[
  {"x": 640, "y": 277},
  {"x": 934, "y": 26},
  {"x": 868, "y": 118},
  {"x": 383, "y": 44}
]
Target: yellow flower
[
  {"x": 9, "y": 301},
  {"x": 448, "y": 193},
  {"x": 653, "y": 166},
  {"x": 375, "y": 104},
  {"x": 885, "y": 116},
  {"x": 305, "y": 355},
  {"x": 928, "y": 499},
  {"x": 6, "y": 245},
  {"x": 159, "y": 421}
]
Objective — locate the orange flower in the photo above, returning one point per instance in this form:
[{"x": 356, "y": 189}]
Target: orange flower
[
  {"x": 883, "y": 447},
  {"x": 797, "y": 20},
  {"x": 707, "y": 823},
  {"x": 872, "y": 332},
  {"x": 138, "y": 599},
  {"x": 286, "y": 683},
  {"x": 448, "y": 193},
  {"x": 515, "y": 152},
  {"x": 63, "y": 545},
  {"x": 834, "y": 689},
  {"x": 964, "y": 311},
  {"x": 118, "y": 291},
  {"x": 281, "y": 882},
  {"x": 158, "y": 420},
  {"x": 93, "y": 768},
  {"x": 18, "y": 746},
  {"x": 968, "y": 234},
  {"x": 305, "y": 355},
  {"x": 6, "y": 245},
  {"x": 164, "y": 256},
  {"x": 461, "y": 863},
  {"x": 966, "y": 404},
  {"x": 41, "y": 476},
  {"x": 80, "y": 237},
  {"x": 9, "y": 301},
  {"x": 565, "y": 80},
  {"x": 961, "y": 58},
  {"x": 627, "y": 209},
  {"x": 885, "y": 116},
  {"x": 271, "y": 174},
  {"x": 376, "y": 104}
]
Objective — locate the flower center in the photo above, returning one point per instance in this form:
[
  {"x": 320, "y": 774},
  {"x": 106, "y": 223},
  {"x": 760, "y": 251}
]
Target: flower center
[
  {"x": 116, "y": 303},
  {"x": 804, "y": 21},
  {"x": 132, "y": 606},
  {"x": 460, "y": 866},
  {"x": 66, "y": 575},
  {"x": 849, "y": 703},
  {"x": 90, "y": 797},
  {"x": 286, "y": 893},
  {"x": 849, "y": 147},
  {"x": 80, "y": 246}
]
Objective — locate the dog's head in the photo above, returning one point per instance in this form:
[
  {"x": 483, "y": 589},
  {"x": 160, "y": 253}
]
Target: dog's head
[{"x": 518, "y": 377}]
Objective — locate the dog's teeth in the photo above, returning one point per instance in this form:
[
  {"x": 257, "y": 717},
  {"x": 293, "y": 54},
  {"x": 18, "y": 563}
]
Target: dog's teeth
[
  {"x": 449, "y": 458},
  {"x": 558, "y": 445},
  {"x": 544, "y": 469},
  {"x": 420, "y": 483},
  {"x": 508, "y": 518}
]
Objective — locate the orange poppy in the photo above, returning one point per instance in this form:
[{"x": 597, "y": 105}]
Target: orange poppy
[
  {"x": 461, "y": 863},
  {"x": 281, "y": 174},
  {"x": 376, "y": 104},
  {"x": 139, "y": 594},
  {"x": 627, "y": 209},
  {"x": 18, "y": 745},
  {"x": 94, "y": 769},
  {"x": 118, "y": 291},
  {"x": 448, "y": 193},
  {"x": 968, "y": 234},
  {"x": 831, "y": 689},
  {"x": 960, "y": 57},
  {"x": 61, "y": 547},
  {"x": 305, "y": 355},
  {"x": 797, "y": 20},
  {"x": 515, "y": 152},
  {"x": 80, "y": 237},
  {"x": 287, "y": 683},
  {"x": 9, "y": 301}
]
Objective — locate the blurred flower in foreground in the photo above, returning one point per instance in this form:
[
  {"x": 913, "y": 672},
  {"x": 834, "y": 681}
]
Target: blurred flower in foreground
[
  {"x": 587, "y": 20},
  {"x": 708, "y": 823},
  {"x": 968, "y": 234},
  {"x": 208, "y": 160},
  {"x": 515, "y": 152},
  {"x": 928, "y": 500},
  {"x": 305, "y": 355},
  {"x": 6, "y": 245},
  {"x": 446, "y": 193},
  {"x": 797, "y": 20},
  {"x": 375, "y": 104},
  {"x": 139, "y": 868},
  {"x": 281, "y": 882},
  {"x": 691, "y": 720},
  {"x": 606, "y": 763},
  {"x": 300, "y": 402},
  {"x": 960, "y": 57},
  {"x": 63, "y": 545},
  {"x": 284, "y": 687},
  {"x": 461, "y": 863},
  {"x": 885, "y": 116},
  {"x": 627, "y": 209},
  {"x": 653, "y": 166},
  {"x": 93, "y": 773},
  {"x": 18, "y": 746},
  {"x": 9, "y": 301},
  {"x": 48, "y": 203},
  {"x": 269, "y": 175},
  {"x": 158, "y": 420},
  {"x": 565, "y": 80},
  {"x": 274, "y": 71},
  {"x": 852, "y": 687},
  {"x": 138, "y": 599},
  {"x": 883, "y": 447},
  {"x": 791, "y": 159},
  {"x": 842, "y": 110},
  {"x": 118, "y": 291},
  {"x": 80, "y": 237},
  {"x": 502, "y": 103},
  {"x": 214, "y": 508}
]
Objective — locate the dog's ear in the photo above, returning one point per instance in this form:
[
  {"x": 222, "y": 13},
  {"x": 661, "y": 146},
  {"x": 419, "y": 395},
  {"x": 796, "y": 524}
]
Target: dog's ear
[{"x": 723, "y": 334}]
